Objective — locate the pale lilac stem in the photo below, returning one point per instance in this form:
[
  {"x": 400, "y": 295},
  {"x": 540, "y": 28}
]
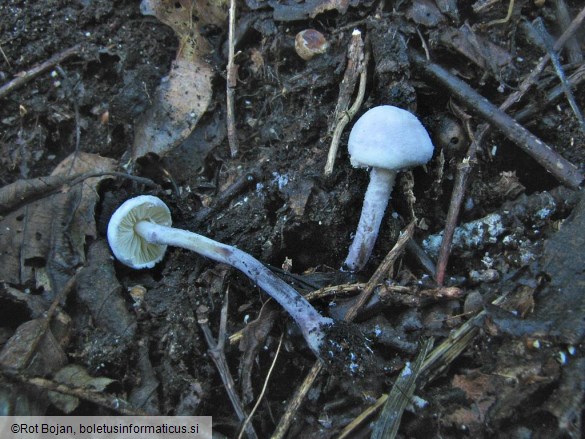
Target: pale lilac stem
[
  {"x": 375, "y": 203},
  {"x": 308, "y": 319}
]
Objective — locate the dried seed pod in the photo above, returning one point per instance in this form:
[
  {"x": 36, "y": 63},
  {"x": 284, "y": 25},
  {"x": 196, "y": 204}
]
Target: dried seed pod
[
  {"x": 450, "y": 136},
  {"x": 310, "y": 42}
]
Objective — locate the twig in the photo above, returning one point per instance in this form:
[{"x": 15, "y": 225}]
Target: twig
[
  {"x": 576, "y": 78},
  {"x": 335, "y": 290},
  {"x": 231, "y": 82},
  {"x": 222, "y": 200},
  {"x": 218, "y": 357},
  {"x": 356, "y": 64},
  {"x": 531, "y": 79},
  {"x": 5, "y": 57},
  {"x": 506, "y": 18},
  {"x": 111, "y": 402},
  {"x": 263, "y": 387},
  {"x": 460, "y": 187},
  {"x": 546, "y": 39},
  {"x": 295, "y": 403},
  {"x": 421, "y": 256},
  {"x": 573, "y": 47},
  {"x": 59, "y": 299},
  {"x": 562, "y": 169},
  {"x": 399, "y": 397},
  {"x": 32, "y": 73},
  {"x": 380, "y": 272},
  {"x": 25, "y": 191}
]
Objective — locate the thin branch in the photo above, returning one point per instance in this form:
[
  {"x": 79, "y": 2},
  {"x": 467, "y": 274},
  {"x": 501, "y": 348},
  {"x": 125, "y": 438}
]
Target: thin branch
[
  {"x": 573, "y": 47},
  {"x": 111, "y": 402},
  {"x": 243, "y": 183},
  {"x": 231, "y": 82},
  {"x": 506, "y": 18},
  {"x": 357, "y": 63},
  {"x": 263, "y": 387},
  {"x": 556, "y": 62},
  {"x": 566, "y": 172},
  {"x": 536, "y": 71},
  {"x": 380, "y": 272},
  {"x": 296, "y": 401},
  {"x": 32, "y": 73},
  {"x": 25, "y": 191},
  {"x": 218, "y": 357},
  {"x": 459, "y": 190}
]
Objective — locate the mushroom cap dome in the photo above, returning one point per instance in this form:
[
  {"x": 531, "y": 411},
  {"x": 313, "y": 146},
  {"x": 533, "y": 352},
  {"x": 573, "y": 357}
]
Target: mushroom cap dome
[
  {"x": 127, "y": 245},
  {"x": 389, "y": 137}
]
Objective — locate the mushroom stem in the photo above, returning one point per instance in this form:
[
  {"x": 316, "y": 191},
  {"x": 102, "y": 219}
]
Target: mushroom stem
[
  {"x": 375, "y": 203},
  {"x": 311, "y": 323}
]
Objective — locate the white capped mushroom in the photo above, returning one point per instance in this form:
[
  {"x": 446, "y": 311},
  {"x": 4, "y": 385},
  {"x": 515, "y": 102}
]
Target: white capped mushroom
[
  {"x": 387, "y": 139},
  {"x": 139, "y": 233}
]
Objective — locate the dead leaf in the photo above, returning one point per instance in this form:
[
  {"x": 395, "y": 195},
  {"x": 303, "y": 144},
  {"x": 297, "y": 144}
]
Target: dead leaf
[
  {"x": 99, "y": 289},
  {"x": 83, "y": 224},
  {"x": 23, "y": 191},
  {"x": 253, "y": 338},
  {"x": 479, "y": 389},
  {"x": 425, "y": 12},
  {"x": 183, "y": 96},
  {"x": 298, "y": 195},
  {"x": 48, "y": 356},
  {"x": 43, "y": 241},
  {"x": 476, "y": 48},
  {"x": 77, "y": 377}
]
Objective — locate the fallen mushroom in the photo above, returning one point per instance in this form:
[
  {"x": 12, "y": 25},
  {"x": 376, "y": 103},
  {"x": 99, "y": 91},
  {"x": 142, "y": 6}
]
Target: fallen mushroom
[
  {"x": 140, "y": 231},
  {"x": 387, "y": 139}
]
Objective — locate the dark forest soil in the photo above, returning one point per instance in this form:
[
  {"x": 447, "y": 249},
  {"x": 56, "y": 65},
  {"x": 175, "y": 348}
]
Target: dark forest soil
[{"x": 521, "y": 375}]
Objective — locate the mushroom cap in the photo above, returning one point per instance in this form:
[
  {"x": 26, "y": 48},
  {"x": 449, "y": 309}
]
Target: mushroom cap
[
  {"x": 389, "y": 137},
  {"x": 127, "y": 245}
]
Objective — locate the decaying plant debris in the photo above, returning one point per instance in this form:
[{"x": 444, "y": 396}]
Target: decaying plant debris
[{"x": 472, "y": 303}]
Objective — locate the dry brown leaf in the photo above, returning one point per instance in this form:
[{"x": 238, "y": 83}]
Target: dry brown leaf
[
  {"x": 99, "y": 290},
  {"x": 83, "y": 224},
  {"x": 43, "y": 241},
  {"x": 48, "y": 355},
  {"x": 77, "y": 377},
  {"x": 476, "y": 48},
  {"x": 183, "y": 97},
  {"x": 425, "y": 12}
]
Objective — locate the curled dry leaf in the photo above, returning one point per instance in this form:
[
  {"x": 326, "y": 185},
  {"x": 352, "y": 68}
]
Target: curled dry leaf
[
  {"x": 476, "y": 48},
  {"x": 44, "y": 240},
  {"x": 425, "y": 12},
  {"x": 77, "y": 377},
  {"x": 48, "y": 355},
  {"x": 99, "y": 290},
  {"x": 183, "y": 97}
]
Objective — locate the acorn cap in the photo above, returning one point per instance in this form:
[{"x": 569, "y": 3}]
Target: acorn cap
[
  {"x": 127, "y": 245},
  {"x": 389, "y": 137}
]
